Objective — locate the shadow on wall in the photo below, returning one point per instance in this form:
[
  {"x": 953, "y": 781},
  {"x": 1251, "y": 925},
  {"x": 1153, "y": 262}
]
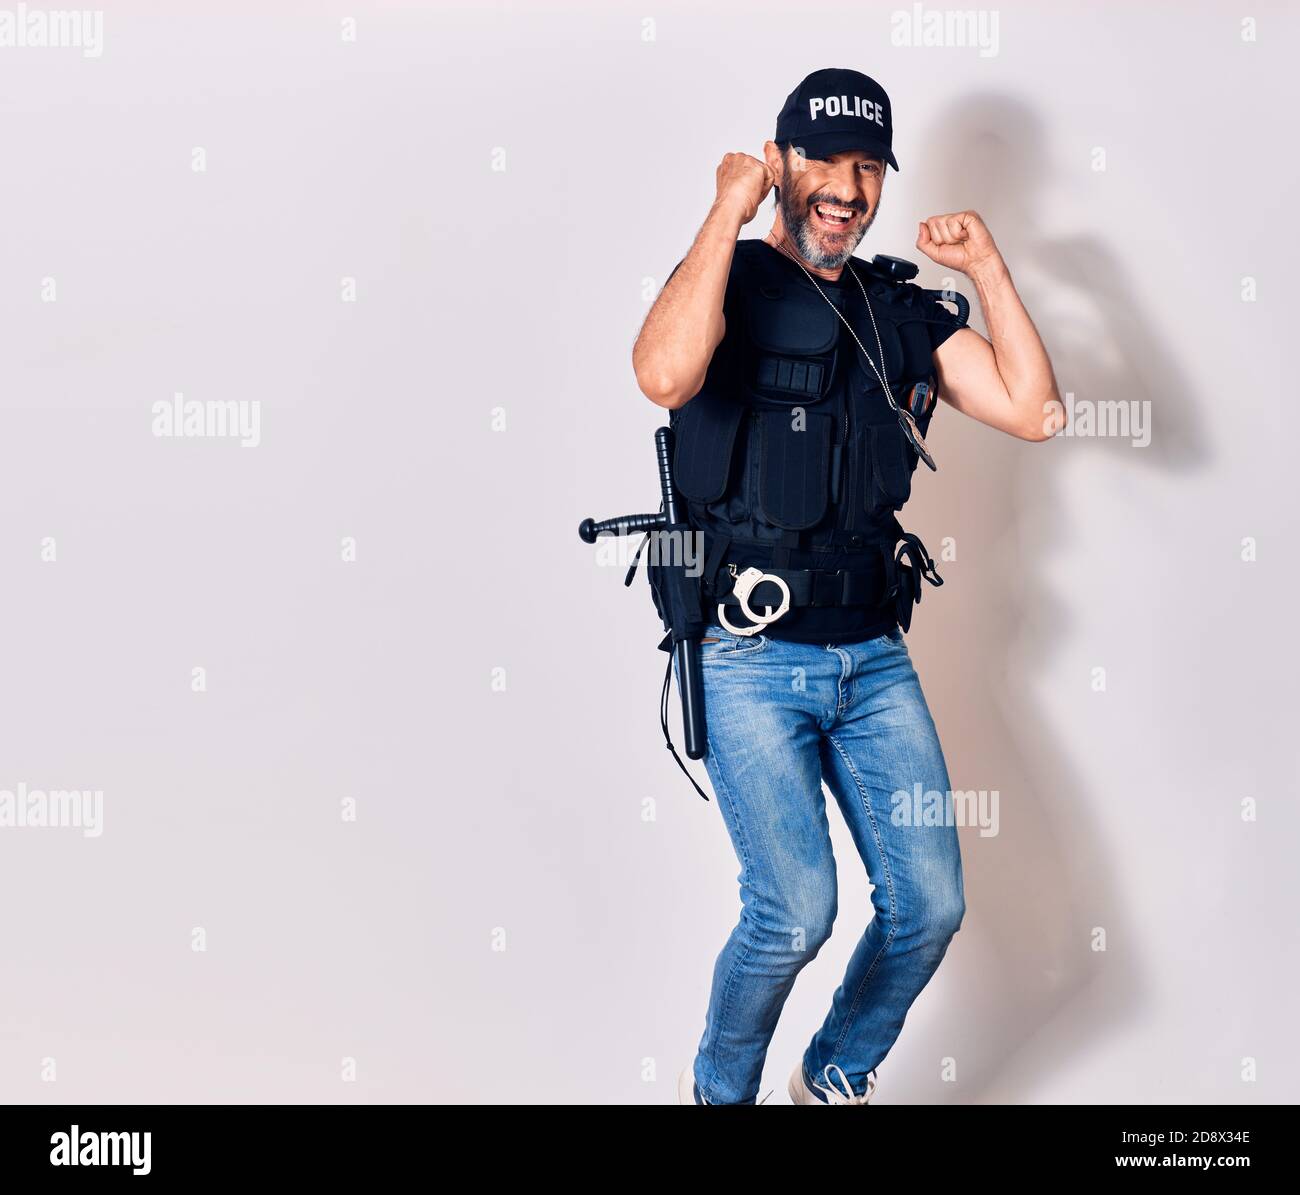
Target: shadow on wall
[{"x": 1034, "y": 993}]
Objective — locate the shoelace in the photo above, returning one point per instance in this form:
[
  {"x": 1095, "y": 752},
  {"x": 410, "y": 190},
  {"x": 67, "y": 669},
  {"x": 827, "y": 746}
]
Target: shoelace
[{"x": 835, "y": 1095}]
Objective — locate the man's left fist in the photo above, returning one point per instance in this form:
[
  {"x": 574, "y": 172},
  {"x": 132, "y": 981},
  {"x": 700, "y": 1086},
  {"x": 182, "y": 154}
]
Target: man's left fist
[{"x": 960, "y": 241}]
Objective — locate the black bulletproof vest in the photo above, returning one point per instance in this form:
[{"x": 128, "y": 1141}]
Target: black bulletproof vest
[{"x": 790, "y": 442}]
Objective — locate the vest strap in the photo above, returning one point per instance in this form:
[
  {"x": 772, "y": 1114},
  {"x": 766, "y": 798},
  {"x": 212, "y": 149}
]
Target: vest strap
[
  {"x": 717, "y": 550},
  {"x": 826, "y": 541}
]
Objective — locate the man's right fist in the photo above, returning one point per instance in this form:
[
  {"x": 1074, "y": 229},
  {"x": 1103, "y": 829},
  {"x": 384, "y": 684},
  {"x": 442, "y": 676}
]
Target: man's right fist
[{"x": 743, "y": 183}]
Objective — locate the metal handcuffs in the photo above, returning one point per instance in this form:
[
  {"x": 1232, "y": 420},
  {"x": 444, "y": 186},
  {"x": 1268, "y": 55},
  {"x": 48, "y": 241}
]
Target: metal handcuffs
[{"x": 746, "y": 583}]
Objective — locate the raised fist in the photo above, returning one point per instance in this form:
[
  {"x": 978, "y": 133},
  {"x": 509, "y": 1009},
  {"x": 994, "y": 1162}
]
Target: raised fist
[{"x": 743, "y": 184}]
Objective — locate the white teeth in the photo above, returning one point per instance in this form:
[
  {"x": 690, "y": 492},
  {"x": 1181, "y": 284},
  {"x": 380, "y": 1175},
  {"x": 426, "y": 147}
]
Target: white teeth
[{"x": 839, "y": 212}]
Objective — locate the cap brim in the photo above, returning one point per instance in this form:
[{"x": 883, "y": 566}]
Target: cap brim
[{"x": 823, "y": 145}]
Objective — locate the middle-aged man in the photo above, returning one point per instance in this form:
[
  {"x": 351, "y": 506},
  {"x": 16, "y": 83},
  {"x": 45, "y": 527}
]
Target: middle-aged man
[{"x": 801, "y": 382}]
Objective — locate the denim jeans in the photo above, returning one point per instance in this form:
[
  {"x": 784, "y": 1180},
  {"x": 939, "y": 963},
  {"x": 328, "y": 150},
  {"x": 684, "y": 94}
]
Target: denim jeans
[{"x": 783, "y": 717}]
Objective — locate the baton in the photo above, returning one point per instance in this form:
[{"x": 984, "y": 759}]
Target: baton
[{"x": 689, "y": 677}]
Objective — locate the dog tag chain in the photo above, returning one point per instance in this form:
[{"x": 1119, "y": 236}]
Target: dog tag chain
[{"x": 905, "y": 420}]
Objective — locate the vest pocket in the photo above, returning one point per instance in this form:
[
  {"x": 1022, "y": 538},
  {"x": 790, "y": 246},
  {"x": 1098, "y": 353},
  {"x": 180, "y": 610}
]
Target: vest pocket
[
  {"x": 792, "y": 339},
  {"x": 796, "y": 379},
  {"x": 794, "y": 467},
  {"x": 704, "y": 431},
  {"x": 890, "y": 467}
]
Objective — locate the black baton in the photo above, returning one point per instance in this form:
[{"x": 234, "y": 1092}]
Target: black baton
[{"x": 690, "y": 681}]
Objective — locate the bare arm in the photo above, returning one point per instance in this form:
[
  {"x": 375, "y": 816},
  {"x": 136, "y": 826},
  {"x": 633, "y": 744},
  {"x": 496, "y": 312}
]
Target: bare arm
[
  {"x": 684, "y": 327},
  {"x": 1007, "y": 381}
]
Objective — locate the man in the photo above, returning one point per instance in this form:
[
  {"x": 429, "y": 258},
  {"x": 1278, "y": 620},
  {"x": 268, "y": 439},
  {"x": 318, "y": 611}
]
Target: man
[{"x": 801, "y": 382}]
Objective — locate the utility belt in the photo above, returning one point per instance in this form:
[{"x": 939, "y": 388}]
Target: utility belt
[{"x": 762, "y": 594}]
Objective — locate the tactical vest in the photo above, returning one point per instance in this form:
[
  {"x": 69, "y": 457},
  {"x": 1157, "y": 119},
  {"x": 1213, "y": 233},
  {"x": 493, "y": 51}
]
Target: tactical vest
[{"x": 790, "y": 444}]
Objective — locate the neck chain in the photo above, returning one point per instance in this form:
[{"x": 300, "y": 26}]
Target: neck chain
[
  {"x": 884, "y": 384},
  {"x": 905, "y": 420}
]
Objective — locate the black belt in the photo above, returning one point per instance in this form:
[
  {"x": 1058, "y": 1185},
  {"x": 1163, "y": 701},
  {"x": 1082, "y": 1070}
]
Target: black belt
[
  {"x": 822, "y": 588},
  {"x": 814, "y": 587}
]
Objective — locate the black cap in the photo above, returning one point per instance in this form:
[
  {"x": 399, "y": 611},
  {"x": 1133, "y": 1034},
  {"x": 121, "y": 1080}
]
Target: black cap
[{"x": 834, "y": 110}]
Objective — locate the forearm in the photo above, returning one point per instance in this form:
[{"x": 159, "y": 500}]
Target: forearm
[
  {"x": 685, "y": 325},
  {"x": 1022, "y": 360}
]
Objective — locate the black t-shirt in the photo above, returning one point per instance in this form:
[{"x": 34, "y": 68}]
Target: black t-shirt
[{"x": 857, "y": 389}]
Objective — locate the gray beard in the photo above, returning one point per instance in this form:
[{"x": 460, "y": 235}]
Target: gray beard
[{"x": 798, "y": 224}]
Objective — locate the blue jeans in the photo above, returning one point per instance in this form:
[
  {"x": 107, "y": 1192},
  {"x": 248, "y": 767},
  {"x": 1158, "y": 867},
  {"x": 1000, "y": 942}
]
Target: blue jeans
[{"x": 783, "y": 717}]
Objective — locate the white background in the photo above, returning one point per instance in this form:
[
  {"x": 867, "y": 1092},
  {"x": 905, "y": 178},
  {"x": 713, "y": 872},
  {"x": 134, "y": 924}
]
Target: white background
[{"x": 517, "y": 816}]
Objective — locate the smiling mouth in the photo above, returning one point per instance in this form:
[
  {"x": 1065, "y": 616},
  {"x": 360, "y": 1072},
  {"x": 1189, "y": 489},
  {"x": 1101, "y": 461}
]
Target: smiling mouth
[{"x": 832, "y": 216}]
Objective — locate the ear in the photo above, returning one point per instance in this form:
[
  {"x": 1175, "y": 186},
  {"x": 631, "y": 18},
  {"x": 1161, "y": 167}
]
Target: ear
[{"x": 772, "y": 156}]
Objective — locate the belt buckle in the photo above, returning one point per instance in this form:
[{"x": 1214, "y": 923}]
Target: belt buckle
[{"x": 746, "y": 583}]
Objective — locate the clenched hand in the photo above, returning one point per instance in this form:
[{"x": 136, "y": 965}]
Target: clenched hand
[
  {"x": 743, "y": 184},
  {"x": 958, "y": 241}
]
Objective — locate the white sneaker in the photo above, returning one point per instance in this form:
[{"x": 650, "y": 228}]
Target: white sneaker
[{"x": 801, "y": 1092}]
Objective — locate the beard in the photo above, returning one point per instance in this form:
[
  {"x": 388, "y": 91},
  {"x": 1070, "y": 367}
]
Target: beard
[{"x": 798, "y": 223}]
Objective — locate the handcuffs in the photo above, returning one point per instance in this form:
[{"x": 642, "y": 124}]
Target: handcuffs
[{"x": 746, "y": 583}]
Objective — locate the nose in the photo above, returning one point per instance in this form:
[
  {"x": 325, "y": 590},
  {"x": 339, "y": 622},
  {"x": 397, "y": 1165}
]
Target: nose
[{"x": 850, "y": 184}]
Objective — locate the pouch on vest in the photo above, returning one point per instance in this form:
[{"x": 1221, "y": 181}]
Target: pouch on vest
[
  {"x": 792, "y": 338},
  {"x": 794, "y": 448},
  {"x": 704, "y": 442},
  {"x": 791, "y": 358},
  {"x": 892, "y": 460}
]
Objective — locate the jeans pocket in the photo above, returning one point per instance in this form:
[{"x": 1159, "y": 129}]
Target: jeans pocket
[{"x": 727, "y": 646}]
